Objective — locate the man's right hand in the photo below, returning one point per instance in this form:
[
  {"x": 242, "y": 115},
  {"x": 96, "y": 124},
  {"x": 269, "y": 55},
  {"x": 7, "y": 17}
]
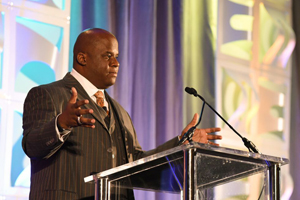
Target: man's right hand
[{"x": 72, "y": 116}]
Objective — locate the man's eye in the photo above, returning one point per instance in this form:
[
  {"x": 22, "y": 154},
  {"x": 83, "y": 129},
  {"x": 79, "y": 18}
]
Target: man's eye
[{"x": 107, "y": 56}]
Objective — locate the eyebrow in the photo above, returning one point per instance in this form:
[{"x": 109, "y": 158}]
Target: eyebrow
[{"x": 109, "y": 52}]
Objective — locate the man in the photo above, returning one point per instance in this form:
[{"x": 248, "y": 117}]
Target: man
[{"x": 72, "y": 127}]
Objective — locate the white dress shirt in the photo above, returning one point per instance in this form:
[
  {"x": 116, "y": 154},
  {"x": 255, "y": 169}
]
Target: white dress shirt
[{"x": 88, "y": 86}]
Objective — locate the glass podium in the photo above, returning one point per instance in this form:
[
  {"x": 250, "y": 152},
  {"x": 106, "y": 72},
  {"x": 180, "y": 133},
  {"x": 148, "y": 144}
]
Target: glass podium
[{"x": 191, "y": 171}]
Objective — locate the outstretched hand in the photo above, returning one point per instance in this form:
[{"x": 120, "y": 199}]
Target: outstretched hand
[
  {"x": 72, "y": 115},
  {"x": 202, "y": 135}
]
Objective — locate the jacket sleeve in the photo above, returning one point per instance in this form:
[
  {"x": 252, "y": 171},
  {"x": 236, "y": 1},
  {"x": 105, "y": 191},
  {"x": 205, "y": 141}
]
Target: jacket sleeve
[{"x": 40, "y": 139}]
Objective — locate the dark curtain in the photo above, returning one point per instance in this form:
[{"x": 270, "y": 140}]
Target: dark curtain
[{"x": 295, "y": 105}]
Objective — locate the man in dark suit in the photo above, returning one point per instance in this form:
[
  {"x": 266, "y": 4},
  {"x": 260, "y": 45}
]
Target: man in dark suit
[{"x": 69, "y": 132}]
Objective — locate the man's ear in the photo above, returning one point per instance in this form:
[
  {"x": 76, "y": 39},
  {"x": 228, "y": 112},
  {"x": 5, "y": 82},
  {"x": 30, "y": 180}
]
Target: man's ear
[{"x": 81, "y": 58}]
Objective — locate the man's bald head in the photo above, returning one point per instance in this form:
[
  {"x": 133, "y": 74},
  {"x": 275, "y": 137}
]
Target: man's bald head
[
  {"x": 95, "y": 57},
  {"x": 87, "y": 39}
]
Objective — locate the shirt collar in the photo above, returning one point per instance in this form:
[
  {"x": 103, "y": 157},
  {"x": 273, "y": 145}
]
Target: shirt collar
[{"x": 86, "y": 84}]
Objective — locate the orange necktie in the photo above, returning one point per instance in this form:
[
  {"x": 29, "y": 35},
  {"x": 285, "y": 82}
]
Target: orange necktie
[{"x": 100, "y": 100}]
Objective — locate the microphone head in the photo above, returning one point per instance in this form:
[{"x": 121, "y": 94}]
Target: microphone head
[{"x": 191, "y": 91}]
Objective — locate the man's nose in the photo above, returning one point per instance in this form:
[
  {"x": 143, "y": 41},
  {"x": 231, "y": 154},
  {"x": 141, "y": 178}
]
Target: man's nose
[{"x": 115, "y": 62}]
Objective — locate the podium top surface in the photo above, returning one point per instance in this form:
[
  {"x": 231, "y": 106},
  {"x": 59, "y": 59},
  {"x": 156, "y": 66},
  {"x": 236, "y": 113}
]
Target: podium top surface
[{"x": 212, "y": 158}]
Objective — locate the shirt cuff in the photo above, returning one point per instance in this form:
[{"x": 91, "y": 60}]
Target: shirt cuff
[
  {"x": 178, "y": 138},
  {"x": 61, "y": 132}
]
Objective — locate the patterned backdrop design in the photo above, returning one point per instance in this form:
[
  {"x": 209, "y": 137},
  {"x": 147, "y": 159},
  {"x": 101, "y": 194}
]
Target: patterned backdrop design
[
  {"x": 34, "y": 50},
  {"x": 19, "y": 161},
  {"x": 253, "y": 92},
  {"x": 32, "y": 74},
  {"x": 53, "y": 3},
  {"x": 34, "y": 66}
]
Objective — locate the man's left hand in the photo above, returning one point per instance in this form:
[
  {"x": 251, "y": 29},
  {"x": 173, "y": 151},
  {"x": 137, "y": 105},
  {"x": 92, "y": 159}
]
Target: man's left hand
[{"x": 202, "y": 135}]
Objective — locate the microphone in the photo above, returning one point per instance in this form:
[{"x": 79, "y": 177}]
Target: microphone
[{"x": 250, "y": 145}]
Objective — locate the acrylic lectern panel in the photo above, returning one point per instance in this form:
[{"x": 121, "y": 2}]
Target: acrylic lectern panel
[{"x": 206, "y": 168}]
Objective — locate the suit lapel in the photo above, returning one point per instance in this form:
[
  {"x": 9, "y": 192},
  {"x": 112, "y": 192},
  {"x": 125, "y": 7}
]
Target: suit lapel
[
  {"x": 116, "y": 109},
  {"x": 70, "y": 82}
]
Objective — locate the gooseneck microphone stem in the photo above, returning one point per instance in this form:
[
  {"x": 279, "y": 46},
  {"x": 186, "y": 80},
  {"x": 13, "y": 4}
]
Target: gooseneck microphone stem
[
  {"x": 220, "y": 117},
  {"x": 251, "y": 147}
]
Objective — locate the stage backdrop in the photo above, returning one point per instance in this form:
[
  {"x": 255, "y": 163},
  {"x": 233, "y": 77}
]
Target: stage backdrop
[
  {"x": 34, "y": 50},
  {"x": 235, "y": 53}
]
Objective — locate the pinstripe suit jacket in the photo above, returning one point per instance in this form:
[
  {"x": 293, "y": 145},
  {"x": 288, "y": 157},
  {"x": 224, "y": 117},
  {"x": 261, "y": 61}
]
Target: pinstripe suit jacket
[{"x": 58, "y": 168}]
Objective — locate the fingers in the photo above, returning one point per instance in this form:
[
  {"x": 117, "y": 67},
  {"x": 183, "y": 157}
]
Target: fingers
[
  {"x": 212, "y": 130},
  {"x": 205, "y": 135},
  {"x": 191, "y": 124},
  {"x": 80, "y": 103},
  {"x": 80, "y": 111},
  {"x": 73, "y": 96},
  {"x": 194, "y": 120},
  {"x": 214, "y": 137},
  {"x": 83, "y": 121},
  {"x": 73, "y": 99},
  {"x": 72, "y": 114},
  {"x": 86, "y": 122}
]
